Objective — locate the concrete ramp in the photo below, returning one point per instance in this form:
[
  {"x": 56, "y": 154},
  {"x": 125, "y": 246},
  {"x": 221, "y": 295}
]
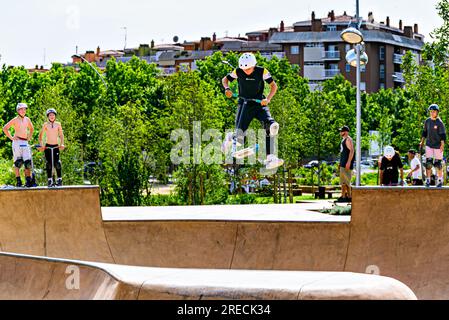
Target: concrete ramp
[
  {"x": 62, "y": 223},
  {"x": 404, "y": 234},
  {"x": 401, "y": 233},
  {"x": 34, "y": 278}
]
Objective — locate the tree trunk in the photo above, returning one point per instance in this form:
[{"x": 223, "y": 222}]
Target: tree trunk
[
  {"x": 275, "y": 186},
  {"x": 202, "y": 188},
  {"x": 190, "y": 202},
  {"x": 290, "y": 185}
]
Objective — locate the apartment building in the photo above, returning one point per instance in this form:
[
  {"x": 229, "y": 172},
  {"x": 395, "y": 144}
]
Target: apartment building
[{"x": 315, "y": 45}]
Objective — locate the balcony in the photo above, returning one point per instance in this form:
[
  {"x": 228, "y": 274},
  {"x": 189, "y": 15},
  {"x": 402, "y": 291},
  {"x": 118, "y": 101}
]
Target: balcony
[
  {"x": 398, "y": 77},
  {"x": 330, "y": 73},
  {"x": 313, "y": 54},
  {"x": 331, "y": 55},
  {"x": 314, "y": 72},
  {"x": 167, "y": 70},
  {"x": 397, "y": 58}
]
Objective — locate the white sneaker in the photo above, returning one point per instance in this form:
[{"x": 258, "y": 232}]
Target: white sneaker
[
  {"x": 228, "y": 142},
  {"x": 274, "y": 129},
  {"x": 273, "y": 162}
]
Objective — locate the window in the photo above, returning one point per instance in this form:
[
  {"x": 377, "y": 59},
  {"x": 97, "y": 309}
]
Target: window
[
  {"x": 363, "y": 86},
  {"x": 382, "y": 53},
  {"x": 382, "y": 85},
  {"x": 294, "y": 49},
  {"x": 382, "y": 71},
  {"x": 363, "y": 68},
  {"x": 331, "y": 27},
  {"x": 348, "y": 68}
]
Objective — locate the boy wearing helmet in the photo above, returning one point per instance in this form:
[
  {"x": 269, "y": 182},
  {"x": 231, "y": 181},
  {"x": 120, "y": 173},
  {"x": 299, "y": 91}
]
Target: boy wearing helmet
[
  {"x": 23, "y": 132},
  {"x": 434, "y": 132},
  {"x": 389, "y": 166},
  {"x": 54, "y": 142},
  {"x": 251, "y": 80}
]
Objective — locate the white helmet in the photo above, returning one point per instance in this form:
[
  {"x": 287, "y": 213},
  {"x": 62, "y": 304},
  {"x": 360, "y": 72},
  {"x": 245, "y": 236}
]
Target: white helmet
[
  {"x": 389, "y": 152},
  {"x": 247, "y": 60},
  {"x": 21, "y": 106}
]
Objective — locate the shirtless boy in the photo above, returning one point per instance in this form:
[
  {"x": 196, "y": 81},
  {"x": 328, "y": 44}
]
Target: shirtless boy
[
  {"x": 54, "y": 143},
  {"x": 23, "y": 132}
]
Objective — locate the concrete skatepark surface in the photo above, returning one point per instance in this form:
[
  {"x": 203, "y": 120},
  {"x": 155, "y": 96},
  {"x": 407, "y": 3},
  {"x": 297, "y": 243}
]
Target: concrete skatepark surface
[
  {"x": 388, "y": 234},
  {"x": 27, "y": 277}
]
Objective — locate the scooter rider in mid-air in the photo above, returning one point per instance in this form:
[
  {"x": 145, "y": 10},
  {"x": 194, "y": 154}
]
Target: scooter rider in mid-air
[{"x": 251, "y": 80}]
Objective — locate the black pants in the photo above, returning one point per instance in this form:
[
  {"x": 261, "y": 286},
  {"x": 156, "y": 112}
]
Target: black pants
[
  {"x": 244, "y": 117},
  {"x": 56, "y": 163}
]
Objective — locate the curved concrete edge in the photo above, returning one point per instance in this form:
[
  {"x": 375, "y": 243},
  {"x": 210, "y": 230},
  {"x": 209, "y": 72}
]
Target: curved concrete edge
[{"x": 36, "y": 278}]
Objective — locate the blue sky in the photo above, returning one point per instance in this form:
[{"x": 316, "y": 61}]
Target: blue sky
[{"x": 33, "y": 30}]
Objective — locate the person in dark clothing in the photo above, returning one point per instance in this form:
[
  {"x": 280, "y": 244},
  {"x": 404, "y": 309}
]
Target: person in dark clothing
[
  {"x": 434, "y": 133},
  {"x": 251, "y": 80},
  {"x": 346, "y": 165},
  {"x": 390, "y": 166}
]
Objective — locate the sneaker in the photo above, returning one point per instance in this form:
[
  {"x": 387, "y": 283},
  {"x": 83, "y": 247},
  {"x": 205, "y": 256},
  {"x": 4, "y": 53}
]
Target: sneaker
[
  {"x": 19, "y": 183},
  {"x": 427, "y": 184},
  {"x": 440, "y": 184},
  {"x": 274, "y": 129},
  {"x": 273, "y": 162},
  {"x": 59, "y": 182},
  {"x": 228, "y": 142},
  {"x": 50, "y": 183},
  {"x": 29, "y": 182}
]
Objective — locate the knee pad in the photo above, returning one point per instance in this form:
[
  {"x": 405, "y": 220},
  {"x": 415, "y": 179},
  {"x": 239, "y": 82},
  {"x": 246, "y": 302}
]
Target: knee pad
[
  {"x": 58, "y": 165},
  {"x": 274, "y": 129},
  {"x": 18, "y": 163},
  {"x": 28, "y": 164},
  {"x": 439, "y": 164},
  {"x": 429, "y": 164}
]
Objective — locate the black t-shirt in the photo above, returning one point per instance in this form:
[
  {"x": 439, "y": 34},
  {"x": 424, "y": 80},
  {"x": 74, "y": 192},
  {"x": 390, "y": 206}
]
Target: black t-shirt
[
  {"x": 251, "y": 86},
  {"x": 435, "y": 132},
  {"x": 390, "y": 169}
]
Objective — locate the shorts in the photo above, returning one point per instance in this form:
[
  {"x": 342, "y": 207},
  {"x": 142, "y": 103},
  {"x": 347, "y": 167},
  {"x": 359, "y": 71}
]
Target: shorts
[
  {"x": 345, "y": 177},
  {"x": 21, "y": 150},
  {"x": 435, "y": 154}
]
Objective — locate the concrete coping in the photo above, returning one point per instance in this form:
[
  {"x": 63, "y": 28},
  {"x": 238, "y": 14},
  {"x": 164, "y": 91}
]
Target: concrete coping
[{"x": 163, "y": 283}]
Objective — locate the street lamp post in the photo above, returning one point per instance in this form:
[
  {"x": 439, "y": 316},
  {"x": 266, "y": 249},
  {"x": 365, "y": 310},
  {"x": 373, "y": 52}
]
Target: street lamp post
[{"x": 356, "y": 58}]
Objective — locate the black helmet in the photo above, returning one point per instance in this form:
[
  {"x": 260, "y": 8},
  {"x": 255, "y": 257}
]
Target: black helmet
[
  {"x": 51, "y": 111},
  {"x": 434, "y": 107}
]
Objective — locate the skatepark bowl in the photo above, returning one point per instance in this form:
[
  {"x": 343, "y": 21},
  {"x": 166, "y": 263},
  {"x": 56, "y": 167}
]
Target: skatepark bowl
[{"x": 71, "y": 248}]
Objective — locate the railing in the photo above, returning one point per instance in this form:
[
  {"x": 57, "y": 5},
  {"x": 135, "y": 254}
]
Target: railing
[
  {"x": 331, "y": 55},
  {"x": 167, "y": 71},
  {"x": 397, "y": 58},
  {"x": 330, "y": 73},
  {"x": 398, "y": 77}
]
